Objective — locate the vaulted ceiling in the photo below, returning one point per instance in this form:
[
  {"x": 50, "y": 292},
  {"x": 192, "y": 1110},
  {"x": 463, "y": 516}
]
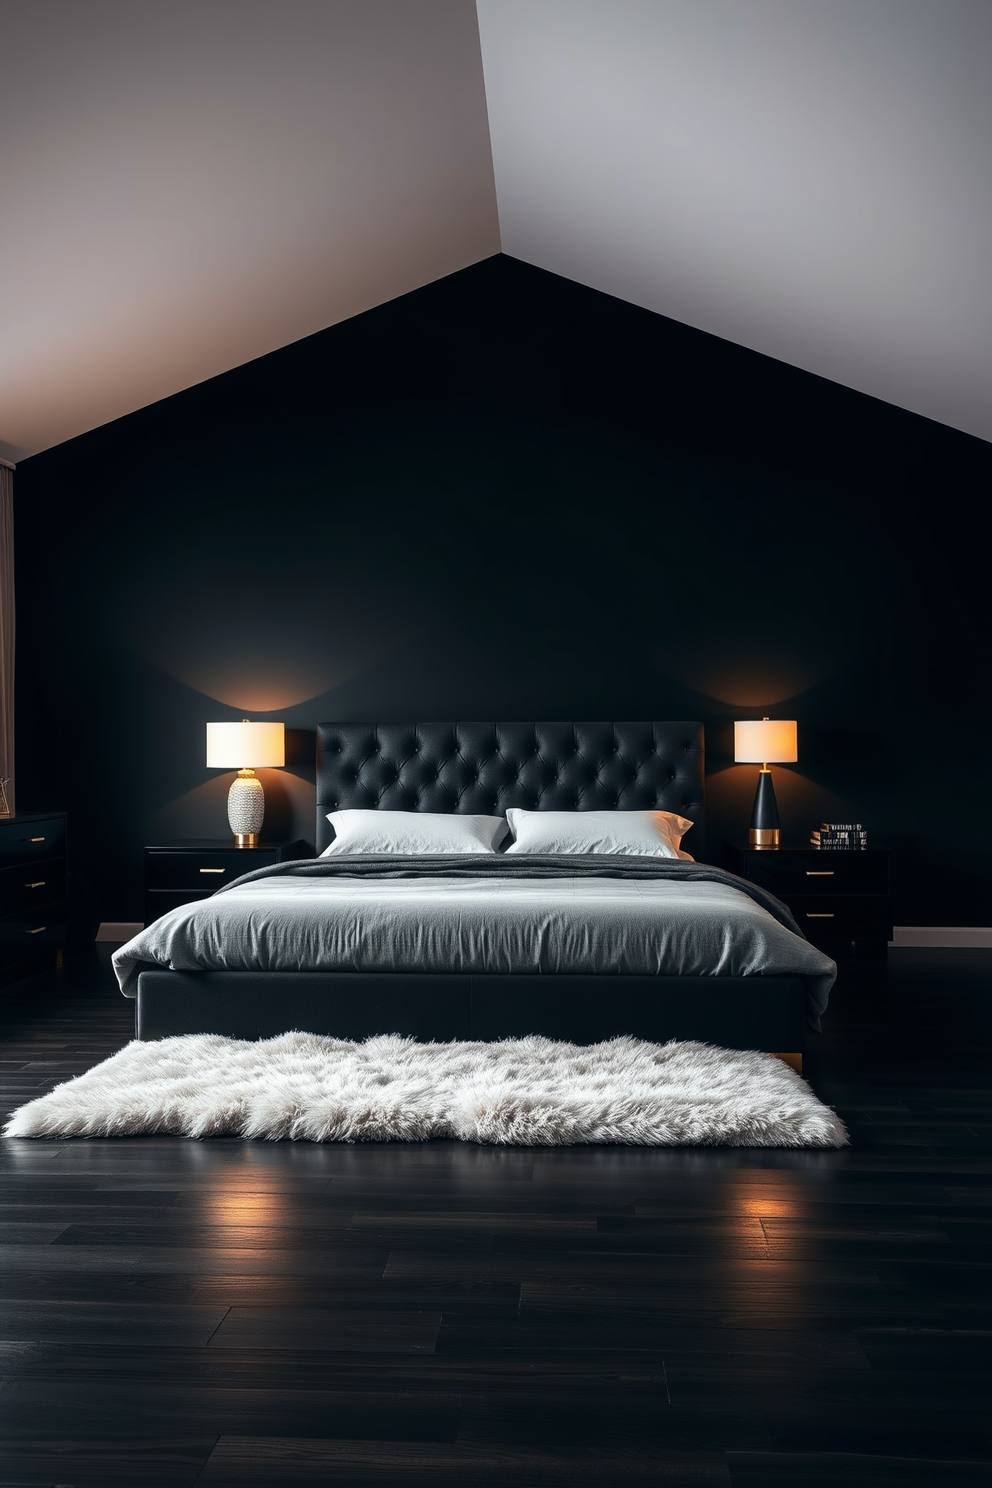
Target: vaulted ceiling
[{"x": 188, "y": 186}]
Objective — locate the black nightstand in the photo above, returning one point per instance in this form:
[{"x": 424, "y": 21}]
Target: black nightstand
[
  {"x": 842, "y": 900},
  {"x": 195, "y": 867},
  {"x": 33, "y": 919}
]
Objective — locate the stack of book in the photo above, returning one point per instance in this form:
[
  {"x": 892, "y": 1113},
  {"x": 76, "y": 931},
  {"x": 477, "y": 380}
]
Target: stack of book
[{"x": 842, "y": 836}]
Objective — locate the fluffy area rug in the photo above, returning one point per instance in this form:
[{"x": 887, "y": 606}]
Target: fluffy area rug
[{"x": 532, "y": 1092}]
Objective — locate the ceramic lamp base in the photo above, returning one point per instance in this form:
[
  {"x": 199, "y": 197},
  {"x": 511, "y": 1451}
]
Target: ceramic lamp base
[{"x": 246, "y": 808}]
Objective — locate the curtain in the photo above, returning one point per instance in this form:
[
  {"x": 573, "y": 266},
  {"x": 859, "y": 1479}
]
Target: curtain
[{"x": 7, "y": 637}]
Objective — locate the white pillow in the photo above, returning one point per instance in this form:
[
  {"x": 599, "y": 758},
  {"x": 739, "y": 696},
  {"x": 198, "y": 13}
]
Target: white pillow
[
  {"x": 413, "y": 832},
  {"x": 654, "y": 834}
]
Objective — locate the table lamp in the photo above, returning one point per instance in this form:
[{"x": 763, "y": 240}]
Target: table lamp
[
  {"x": 764, "y": 741},
  {"x": 245, "y": 747}
]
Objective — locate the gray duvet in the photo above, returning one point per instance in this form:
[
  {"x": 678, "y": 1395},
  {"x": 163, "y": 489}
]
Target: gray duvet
[{"x": 588, "y": 914}]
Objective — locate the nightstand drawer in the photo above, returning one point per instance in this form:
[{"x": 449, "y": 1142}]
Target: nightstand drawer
[
  {"x": 792, "y": 873},
  {"x": 202, "y": 872},
  {"x": 840, "y": 900},
  {"x": 842, "y": 916},
  {"x": 191, "y": 869},
  {"x": 27, "y": 841},
  {"x": 159, "y": 901},
  {"x": 31, "y": 885},
  {"x": 863, "y": 926}
]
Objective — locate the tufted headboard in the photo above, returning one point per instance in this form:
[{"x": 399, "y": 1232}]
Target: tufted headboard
[{"x": 486, "y": 767}]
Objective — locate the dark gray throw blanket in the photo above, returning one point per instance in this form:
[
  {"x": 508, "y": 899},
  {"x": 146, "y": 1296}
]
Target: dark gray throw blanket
[{"x": 513, "y": 865}]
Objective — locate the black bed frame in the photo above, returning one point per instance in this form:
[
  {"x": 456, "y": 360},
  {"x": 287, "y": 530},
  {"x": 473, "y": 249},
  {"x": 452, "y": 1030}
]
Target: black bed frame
[{"x": 485, "y": 768}]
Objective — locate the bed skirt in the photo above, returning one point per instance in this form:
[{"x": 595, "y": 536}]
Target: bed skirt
[{"x": 755, "y": 1012}]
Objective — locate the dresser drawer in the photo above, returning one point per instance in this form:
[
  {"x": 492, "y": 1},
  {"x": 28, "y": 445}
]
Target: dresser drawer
[
  {"x": 202, "y": 872},
  {"x": 29, "y": 841},
  {"x": 31, "y": 885},
  {"x": 792, "y": 873},
  {"x": 28, "y": 933}
]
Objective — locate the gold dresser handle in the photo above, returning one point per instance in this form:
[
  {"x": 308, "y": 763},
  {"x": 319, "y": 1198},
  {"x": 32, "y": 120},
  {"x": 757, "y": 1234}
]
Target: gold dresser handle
[
  {"x": 32, "y": 839},
  {"x": 812, "y": 914},
  {"x": 819, "y": 873},
  {"x": 36, "y": 932},
  {"x": 39, "y": 885},
  {"x": 213, "y": 870}
]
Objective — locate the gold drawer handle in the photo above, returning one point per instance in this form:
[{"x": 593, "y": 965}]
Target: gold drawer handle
[
  {"x": 818, "y": 915},
  {"x": 39, "y": 885},
  {"x": 213, "y": 870},
  {"x": 32, "y": 839},
  {"x": 819, "y": 873},
  {"x": 36, "y": 932}
]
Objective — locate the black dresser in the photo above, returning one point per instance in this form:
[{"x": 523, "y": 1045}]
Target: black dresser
[
  {"x": 841, "y": 900},
  {"x": 33, "y": 916},
  {"x": 196, "y": 867}
]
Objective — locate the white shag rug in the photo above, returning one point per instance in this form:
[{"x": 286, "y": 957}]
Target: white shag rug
[{"x": 532, "y": 1092}]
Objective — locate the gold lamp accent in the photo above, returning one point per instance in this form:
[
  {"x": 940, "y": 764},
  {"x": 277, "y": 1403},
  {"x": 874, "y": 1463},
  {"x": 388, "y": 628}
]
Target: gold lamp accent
[
  {"x": 764, "y": 741},
  {"x": 246, "y": 747}
]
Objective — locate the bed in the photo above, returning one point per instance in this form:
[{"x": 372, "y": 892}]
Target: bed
[{"x": 576, "y": 949}]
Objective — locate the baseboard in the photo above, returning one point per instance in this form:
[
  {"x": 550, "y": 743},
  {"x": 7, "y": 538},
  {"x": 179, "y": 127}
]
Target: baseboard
[
  {"x": 118, "y": 930},
  {"x": 963, "y": 936}
]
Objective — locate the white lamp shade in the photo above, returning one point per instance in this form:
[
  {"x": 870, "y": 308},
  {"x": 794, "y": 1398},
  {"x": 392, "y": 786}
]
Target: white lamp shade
[
  {"x": 765, "y": 741},
  {"x": 245, "y": 746}
]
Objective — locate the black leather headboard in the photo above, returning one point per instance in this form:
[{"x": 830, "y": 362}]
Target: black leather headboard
[{"x": 486, "y": 767}]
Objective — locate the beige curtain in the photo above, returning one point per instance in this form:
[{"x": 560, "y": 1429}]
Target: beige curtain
[{"x": 7, "y": 635}]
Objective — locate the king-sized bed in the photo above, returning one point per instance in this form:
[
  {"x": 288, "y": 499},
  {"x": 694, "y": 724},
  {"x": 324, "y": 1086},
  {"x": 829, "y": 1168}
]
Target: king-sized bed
[{"x": 596, "y": 938}]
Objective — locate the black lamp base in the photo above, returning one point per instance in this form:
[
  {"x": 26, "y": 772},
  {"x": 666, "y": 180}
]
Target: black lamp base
[
  {"x": 767, "y": 837},
  {"x": 764, "y": 831}
]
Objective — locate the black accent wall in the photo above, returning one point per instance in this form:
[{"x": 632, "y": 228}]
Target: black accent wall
[{"x": 508, "y": 496}]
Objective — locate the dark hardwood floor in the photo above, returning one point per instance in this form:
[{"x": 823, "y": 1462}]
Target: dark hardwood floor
[{"x": 227, "y": 1312}]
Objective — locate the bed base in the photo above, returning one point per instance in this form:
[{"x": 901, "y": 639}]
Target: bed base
[{"x": 767, "y": 1013}]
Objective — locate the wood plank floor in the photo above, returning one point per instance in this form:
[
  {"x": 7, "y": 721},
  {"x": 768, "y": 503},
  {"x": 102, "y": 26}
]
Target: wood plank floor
[{"x": 226, "y": 1312}]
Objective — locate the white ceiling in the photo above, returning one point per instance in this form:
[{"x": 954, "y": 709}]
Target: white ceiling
[
  {"x": 809, "y": 178},
  {"x": 188, "y": 186}
]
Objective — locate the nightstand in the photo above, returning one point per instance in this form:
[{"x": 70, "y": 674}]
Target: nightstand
[
  {"x": 841, "y": 900},
  {"x": 33, "y": 921},
  {"x": 195, "y": 867}
]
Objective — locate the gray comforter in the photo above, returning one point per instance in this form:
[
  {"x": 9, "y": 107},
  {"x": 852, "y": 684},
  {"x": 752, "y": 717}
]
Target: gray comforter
[{"x": 639, "y": 916}]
